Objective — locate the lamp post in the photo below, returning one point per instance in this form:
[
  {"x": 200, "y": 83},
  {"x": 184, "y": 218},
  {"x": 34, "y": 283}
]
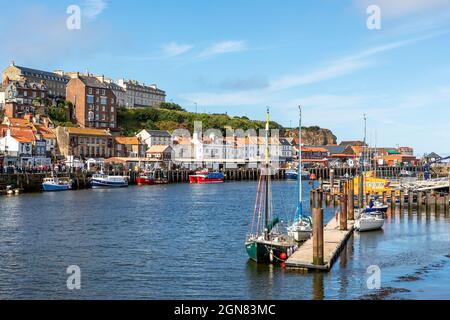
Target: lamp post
[{"x": 196, "y": 105}]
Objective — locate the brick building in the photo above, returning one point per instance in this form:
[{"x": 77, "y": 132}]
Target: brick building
[
  {"x": 95, "y": 104},
  {"x": 20, "y": 97},
  {"x": 55, "y": 83},
  {"x": 85, "y": 143}
]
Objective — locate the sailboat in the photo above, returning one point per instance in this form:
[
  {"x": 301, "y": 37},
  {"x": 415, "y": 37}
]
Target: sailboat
[
  {"x": 263, "y": 243},
  {"x": 369, "y": 219},
  {"x": 301, "y": 229}
]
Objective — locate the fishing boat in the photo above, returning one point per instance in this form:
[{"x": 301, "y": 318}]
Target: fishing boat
[
  {"x": 291, "y": 174},
  {"x": 57, "y": 184},
  {"x": 265, "y": 243},
  {"x": 101, "y": 180},
  {"x": 204, "y": 177},
  {"x": 145, "y": 178},
  {"x": 368, "y": 219},
  {"x": 301, "y": 229}
]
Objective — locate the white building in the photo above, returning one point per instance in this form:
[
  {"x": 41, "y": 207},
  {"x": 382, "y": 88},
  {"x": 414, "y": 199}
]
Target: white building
[
  {"x": 138, "y": 95},
  {"x": 155, "y": 137}
]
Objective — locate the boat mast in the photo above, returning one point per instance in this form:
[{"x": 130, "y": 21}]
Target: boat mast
[
  {"x": 361, "y": 178},
  {"x": 266, "y": 211},
  {"x": 299, "y": 175}
]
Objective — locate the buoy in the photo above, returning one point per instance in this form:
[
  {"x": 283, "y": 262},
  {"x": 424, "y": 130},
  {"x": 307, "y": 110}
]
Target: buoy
[{"x": 283, "y": 256}]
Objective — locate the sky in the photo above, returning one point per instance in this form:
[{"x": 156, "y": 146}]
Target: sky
[{"x": 237, "y": 57}]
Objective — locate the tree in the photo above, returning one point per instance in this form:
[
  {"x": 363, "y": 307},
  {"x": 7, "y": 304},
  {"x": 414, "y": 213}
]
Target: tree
[{"x": 171, "y": 106}]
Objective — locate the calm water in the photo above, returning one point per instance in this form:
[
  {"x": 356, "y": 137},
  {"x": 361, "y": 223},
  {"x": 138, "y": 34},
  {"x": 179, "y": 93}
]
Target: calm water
[{"x": 186, "y": 242}]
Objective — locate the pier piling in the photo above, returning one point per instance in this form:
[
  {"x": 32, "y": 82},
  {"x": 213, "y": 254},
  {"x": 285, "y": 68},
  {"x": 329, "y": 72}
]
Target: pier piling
[
  {"x": 317, "y": 229},
  {"x": 351, "y": 201},
  {"x": 343, "y": 211}
]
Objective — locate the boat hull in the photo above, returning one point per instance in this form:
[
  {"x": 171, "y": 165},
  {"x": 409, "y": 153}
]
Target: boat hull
[
  {"x": 144, "y": 181},
  {"x": 300, "y": 235},
  {"x": 260, "y": 251},
  {"x": 291, "y": 176},
  {"x": 368, "y": 224},
  {"x": 204, "y": 180},
  {"x": 53, "y": 187},
  {"x": 98, "y": 184}
]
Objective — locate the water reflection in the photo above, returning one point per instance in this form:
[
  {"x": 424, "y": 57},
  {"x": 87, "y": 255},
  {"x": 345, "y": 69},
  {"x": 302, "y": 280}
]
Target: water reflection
[{"x": 317, "y": 285}]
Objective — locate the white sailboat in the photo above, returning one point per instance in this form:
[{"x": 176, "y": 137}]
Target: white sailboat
[
  {"x": 369, "y": 218},
  {"x": 301, "y": 229}
]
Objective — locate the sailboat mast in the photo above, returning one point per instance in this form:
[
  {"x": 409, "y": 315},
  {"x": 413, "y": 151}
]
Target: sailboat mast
[
  {"x": 361, "y": 178},
  {"x": 267, "y": 205},
  {"x": 299, "y": 176}
]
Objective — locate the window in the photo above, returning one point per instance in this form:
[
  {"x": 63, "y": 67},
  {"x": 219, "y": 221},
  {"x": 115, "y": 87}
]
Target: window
[
  {"x": 97, "y": 91},
  {"x": 104, "y": 108},
  {"x": 90, "y": 90},
  {"x": 42, "y": 95},
  {"x": 103, "y": 92},
  {"x": 25, "y": 93},
  {"x": 90, "y": 99},
  {"x": 112, "y": 109},
  {"x": 104, "y": 100}
]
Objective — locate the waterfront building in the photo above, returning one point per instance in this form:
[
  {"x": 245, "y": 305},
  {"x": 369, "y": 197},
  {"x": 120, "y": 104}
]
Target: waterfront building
[
  {"x": 54, "y": 82},
  {"x": 406, "y": 151},
  {"x": 95, "y": 104},
  {"x": 20, "y": 97},
  {"x": 286, "y": 150},
  {"x": 155, "y": 137},
  {"x": 17, "y": 146},
  {"x": 161, "y": 153},
  {"x": 138, "y": 95},
  {"x": 85, "y": 143},
  {"x": 131, "y": 147}
]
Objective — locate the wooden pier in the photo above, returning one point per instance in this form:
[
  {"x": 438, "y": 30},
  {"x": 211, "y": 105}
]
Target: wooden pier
[{"x": 334, "y": 240}]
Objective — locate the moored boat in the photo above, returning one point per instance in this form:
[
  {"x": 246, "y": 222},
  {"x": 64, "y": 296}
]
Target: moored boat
[
  {"x": 291, "y": 174},
  {"x": 204, "y": 177},
  {"x": 265, "y": 243},
  {"x": 102, "y": 180},
  {"x": 369, "y": 221},
  {"x": 301, "y": 229},
  {"x": 145, "y": 178},
  {"x": 57, "y": 184}
]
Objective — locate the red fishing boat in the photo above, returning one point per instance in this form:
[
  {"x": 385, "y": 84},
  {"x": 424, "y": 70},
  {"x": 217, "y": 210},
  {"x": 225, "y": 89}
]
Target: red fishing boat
[
  {"x": 145, "y": 178},
  {"x": 204, "y": 177}
]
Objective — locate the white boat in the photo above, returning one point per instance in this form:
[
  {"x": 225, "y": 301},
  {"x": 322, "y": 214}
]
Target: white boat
[
  {"x": 102, "y": 180},
  {"x": 369, "y": 221},
  {"x": 301, "y": 229}
]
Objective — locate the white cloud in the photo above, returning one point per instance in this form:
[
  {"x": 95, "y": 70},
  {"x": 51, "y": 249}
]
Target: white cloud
[
  {"x": 397, "y": 8},
  {"x": 174, "y": 49},
  {"x": 92, "y": 8},
  {"x": 223, "y": 47}
]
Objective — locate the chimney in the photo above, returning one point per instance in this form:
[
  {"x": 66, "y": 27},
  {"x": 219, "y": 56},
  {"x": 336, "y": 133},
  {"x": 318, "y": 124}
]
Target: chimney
[
  {"x": 6, "y": 81},
  {"x": 13, "y": 63}
]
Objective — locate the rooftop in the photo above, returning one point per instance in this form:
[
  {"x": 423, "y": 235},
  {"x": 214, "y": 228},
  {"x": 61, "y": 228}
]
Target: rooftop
[{"x": 87, "y": 131}]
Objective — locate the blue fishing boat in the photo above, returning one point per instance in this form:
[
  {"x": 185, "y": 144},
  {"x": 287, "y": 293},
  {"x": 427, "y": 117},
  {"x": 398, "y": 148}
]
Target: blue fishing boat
[
  {"x": 291, "y": 174},
  {"x": 57, "y": 184}
]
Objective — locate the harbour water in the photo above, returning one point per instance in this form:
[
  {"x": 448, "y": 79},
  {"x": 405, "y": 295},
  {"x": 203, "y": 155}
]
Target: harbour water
[{"x": 185, "y": 241}]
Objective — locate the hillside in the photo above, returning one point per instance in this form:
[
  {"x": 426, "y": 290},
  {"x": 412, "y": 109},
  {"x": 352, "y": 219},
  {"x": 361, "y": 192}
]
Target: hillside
[{"x": 132, "y": 121}]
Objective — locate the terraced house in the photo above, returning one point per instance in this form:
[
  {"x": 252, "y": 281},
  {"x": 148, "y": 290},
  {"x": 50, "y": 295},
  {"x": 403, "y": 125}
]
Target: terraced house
[
  {"x": 95, "y": 104},
  {"x": 85, "y": 143}
]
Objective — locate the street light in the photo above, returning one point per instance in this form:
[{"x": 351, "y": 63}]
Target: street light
[{"x": 196, "y": 105}]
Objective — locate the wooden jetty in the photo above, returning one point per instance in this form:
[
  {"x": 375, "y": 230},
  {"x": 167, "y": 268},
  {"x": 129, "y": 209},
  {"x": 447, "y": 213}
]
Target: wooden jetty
[{"x": 334, "y": 240}]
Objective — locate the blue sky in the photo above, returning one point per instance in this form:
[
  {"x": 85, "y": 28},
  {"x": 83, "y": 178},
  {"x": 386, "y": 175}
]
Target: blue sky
[{"x": 239, "y": 56}]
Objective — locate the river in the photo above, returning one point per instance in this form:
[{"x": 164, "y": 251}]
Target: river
[{"x": 184, "y": 241}]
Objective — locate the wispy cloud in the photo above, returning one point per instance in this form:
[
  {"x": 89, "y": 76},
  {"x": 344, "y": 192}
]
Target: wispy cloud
[
  {"x": 174, "y": 49},
  {"x": 92, "y": 8},
  {"x": 223, "y": 48}
]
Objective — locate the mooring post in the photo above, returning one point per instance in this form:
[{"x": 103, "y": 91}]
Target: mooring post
[
  {"x": 343, "y": 211},
  {"x": 351, "y": 201},
  {"x": 446, "y": 205},
  {"x": 437, "y": 205},
  {"x": 402, "y": 198},
  {"x": 331, "y": 179},
  {"x": 428, "y": 203},
  {"x": 317, "y": 230},
  {"x": 384, "y": 197},
  {"x": 392, "y": 201},
  {"x": 419, "y": 201},
  {"x": 410, "y": 200}
]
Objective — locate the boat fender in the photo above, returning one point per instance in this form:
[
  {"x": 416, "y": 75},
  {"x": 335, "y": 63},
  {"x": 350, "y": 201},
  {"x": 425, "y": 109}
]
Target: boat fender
[{"x": 271, "y": 255}]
